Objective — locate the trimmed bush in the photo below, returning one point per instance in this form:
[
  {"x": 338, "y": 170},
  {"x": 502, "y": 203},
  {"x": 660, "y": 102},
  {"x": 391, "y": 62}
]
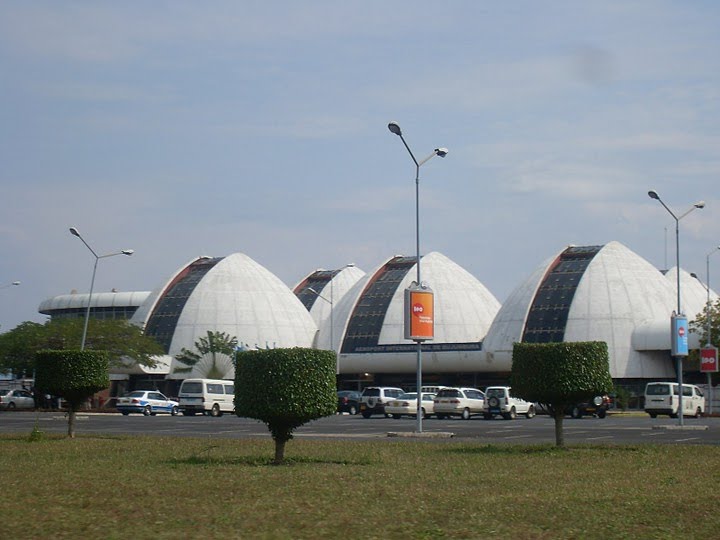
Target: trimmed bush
[
  {"x": 73, "y": 375},
  {"x": 558, "y": 375},
  {"x": 285, "y": 388}
]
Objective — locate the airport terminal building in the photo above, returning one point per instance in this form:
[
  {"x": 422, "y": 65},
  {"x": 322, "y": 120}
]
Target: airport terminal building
[{"x": 581, "y": 293}]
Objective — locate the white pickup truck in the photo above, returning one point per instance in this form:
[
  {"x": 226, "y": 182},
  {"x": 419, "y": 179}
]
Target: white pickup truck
[{"x": 499, "y": 401}]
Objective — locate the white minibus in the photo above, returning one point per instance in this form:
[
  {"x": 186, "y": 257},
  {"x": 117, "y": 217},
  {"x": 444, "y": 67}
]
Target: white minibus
[
  {"x": 206, "y": 396},
  {"x": 663, "y": 398}
]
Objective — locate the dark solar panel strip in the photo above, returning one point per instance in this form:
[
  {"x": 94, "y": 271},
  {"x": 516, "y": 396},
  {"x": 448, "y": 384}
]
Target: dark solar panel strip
[
  {"x": 163, "y": 320},
  {"x": 369, "y": 314},
  {"x": 549, "y": 311},
  {"x": 316, "y": 281}
]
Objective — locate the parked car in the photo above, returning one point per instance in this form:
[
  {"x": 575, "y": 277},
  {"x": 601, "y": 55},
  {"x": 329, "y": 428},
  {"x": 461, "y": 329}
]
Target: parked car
[
  {"x": 147, "y": 402},
  {"x": 374, "y": 399},
  {"x": 500, "y": 401},
  {"x": 597, "y": 406},
  {"x": 348, "y": 401},
  {"x": 16, "y": 399},
  {"x": 211, "y": 397},
  {"x": 406, "y": 405},
  {"x": 462, "y": 402},
  {"x": 663, "y": 398}
]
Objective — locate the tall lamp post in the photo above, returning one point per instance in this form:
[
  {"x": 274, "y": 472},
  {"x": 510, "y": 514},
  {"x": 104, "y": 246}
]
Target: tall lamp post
[
  {"x": 128, "y": 252},
  {"x": 332, "y": 324},
  {"x": 394, "y": 127},
  {"x": 709, "y": 326},
  {"x": 678, "y": 358}
]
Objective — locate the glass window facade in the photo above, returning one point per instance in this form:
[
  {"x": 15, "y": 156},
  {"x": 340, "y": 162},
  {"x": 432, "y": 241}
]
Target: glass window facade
[
  {"x": 161, "y": 323},
  {"x": 369, "y": 314},
  {"x": 548, "y": 313}
]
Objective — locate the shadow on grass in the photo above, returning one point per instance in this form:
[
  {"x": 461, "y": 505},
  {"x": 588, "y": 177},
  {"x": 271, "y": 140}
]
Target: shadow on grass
[
  {"x": 540, "y": 449},
  {"x": 205, "y": 460}
]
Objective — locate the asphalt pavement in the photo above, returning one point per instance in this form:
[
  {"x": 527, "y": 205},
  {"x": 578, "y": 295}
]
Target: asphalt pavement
[{"x": 636, "y": 428}]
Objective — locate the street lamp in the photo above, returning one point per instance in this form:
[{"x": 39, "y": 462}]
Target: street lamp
[
  {"x": 127, "y": 252},
  {"x": 332, "y": 324},
  {"x": 678, "y": 358},
  {"x": 9, "y": 284},
  {"x": 394, "y": 127}
]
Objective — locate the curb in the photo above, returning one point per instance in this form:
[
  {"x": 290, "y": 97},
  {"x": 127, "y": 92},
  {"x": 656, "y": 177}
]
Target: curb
[
  {"x": 682, "y": 428},
  {"x": 423, "y": 435}
]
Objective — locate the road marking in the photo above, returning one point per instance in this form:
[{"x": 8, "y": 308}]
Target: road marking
[
  {"x": 597, "y": 438},
  {"x": 688, "y": 439}
]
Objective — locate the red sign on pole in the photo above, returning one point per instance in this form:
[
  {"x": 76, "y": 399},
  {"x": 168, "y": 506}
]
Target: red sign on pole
[
  {"x": 708, "y": 360},
  {"x": 419, "y": 316}
]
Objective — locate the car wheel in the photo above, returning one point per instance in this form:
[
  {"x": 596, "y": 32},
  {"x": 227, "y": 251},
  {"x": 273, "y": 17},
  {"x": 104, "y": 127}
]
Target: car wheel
[
  {"x": 698, "y": 413},
  {"x": 465, "y": 414},
  {"x": 440, "y": 416},
  {"x": 424, "y": 414},
  {"x": 188, "y": 413},
  {"x": 147, "y": 411},
  {"x": 576, "y": 412},
  {"x": 674, "y": 415},
  {"x": 396, "y": 416},
  {"x": 125, "y": 413},
  {"x": 215, "y": 411},
  {"x": 487, "y": 416},
  {"x": 602, "y": 413},
  {"x": 531, "y": 412},
  {"x": 366, "y": 414},
  {"x": 653, "y": 415},
  {"x": 11, "y": 406},
  {"x": 513, "y": 413},
  {"x": 352, "y": 410},
  {"x": 175, "y": 411}
]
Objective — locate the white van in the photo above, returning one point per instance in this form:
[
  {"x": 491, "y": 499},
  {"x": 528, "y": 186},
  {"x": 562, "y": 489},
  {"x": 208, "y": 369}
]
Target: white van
[
  {"x": 663, "y": 398},
  {"x": 206, "y": 396}
]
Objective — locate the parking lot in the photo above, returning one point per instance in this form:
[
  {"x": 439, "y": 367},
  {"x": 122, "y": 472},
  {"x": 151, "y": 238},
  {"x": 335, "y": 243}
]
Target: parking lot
[{"x": 636, "y": 428}]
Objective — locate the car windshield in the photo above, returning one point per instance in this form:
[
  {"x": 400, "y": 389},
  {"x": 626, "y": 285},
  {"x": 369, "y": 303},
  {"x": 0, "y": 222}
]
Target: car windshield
[
  {"x": 137, "y": 393},
  {"x": 192, "y": 387},
  {"x": 449, "y": 392},
  {"x": 373, "y": 392},
  {"x": 658, "y": 389},
  {"x": 408, "y": 395},
  {"x": 495, "y": 392}
]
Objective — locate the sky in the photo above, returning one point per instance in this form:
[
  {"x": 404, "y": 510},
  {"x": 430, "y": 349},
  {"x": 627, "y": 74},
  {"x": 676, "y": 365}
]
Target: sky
[{"x": 180, "y": 129}]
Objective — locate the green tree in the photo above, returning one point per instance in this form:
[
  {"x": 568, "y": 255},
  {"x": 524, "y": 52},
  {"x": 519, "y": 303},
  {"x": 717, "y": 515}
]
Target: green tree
[
  {"x": 73, "y": 375},
  {"x": 212, "y": 357},
  {"x": 123, "y": 341},
  {"x": 285, "y": 388},
  {"x": 700, "y": 327},
  {"x": 559, "y": 375}
]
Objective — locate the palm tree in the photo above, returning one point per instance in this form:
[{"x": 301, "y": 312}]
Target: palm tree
[{"x": 212, "y": 357}]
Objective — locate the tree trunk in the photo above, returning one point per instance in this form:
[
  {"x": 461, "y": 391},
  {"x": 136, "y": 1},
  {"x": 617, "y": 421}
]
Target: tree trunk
[
  {"x": 559, "y": 417},
  {"x": 71, "y": 422},
  {"x": 279, "y": 452}
]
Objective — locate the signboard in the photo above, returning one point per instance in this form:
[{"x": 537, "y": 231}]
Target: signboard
[
  {"x": 679, "y": 336},
  {"x": 419, "y": 314},
  {"x": 708, "y": 360}
]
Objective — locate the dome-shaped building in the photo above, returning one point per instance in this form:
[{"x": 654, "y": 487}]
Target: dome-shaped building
[
  {"x": 693, "y": 292},
  {"x": 369, "y": 319},
  {"x": 591, "y": 293},
  {"x": 320, "y": 292},
  {"x": 233, "y": 295}
]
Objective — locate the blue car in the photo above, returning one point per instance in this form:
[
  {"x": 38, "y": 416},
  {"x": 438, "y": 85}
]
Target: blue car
[{"x": 147, "y": 402}]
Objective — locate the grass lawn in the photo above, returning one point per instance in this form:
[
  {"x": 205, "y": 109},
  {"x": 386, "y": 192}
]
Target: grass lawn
[{"x": 155, "y": 487}]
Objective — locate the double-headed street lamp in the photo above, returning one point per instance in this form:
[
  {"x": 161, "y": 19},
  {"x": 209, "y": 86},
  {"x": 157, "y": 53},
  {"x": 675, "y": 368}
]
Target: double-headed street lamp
[
  {"x": 678, "y": 357},
  {"x": 128, "y": 252},
  {"x": 332, "y": 324},
  {"x": 394, "y": 127}
]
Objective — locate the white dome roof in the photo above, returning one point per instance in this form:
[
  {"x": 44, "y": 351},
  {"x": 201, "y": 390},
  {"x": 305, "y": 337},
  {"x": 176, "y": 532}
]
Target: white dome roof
[
  {"x": 463, "y": 311},
  {"x": 618, "y": 292},
  {"x": 236, "y": 295},
  {"x": 693, "y": 294}
]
